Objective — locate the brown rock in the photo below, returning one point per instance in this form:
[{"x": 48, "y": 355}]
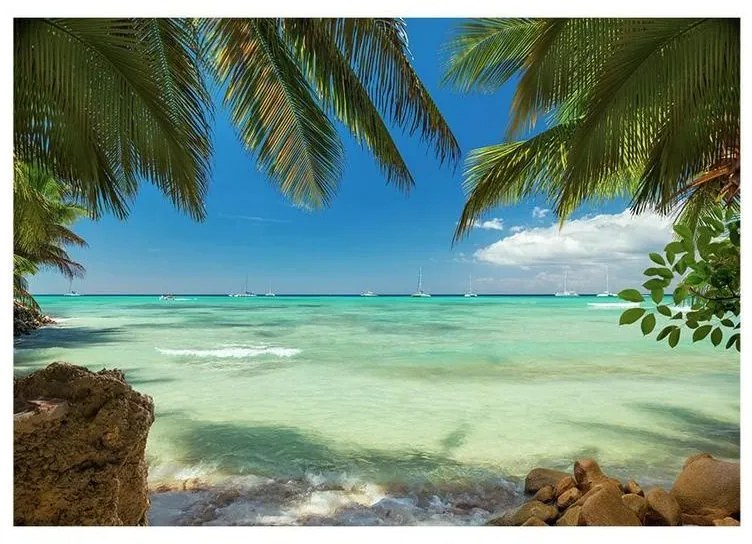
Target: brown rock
[
  {"x": 730, "y": 522},
  {"x": 633, "y": 487},
  {"x": 587, "y": 473},
  {"x": 535, "y": 522},
  {"x": 596, "y": 488},
  {"x": 662, "y": 508},
  {"x": 568, "y": 498},
  {"x": 541, "y": 477},
  {"x": 544, "y": 494},
  {"x": 570, "y": 518},
  {"x": 518, "y": 516},
  {"x": 563, "y": 485},
  {"x": 605, "y": 507},
  {"x": 78, "y": 448},
  {"x": 637, "y": 504},
  {"x": 708, "y": 487},
  {"x": 696, "y": 519}
]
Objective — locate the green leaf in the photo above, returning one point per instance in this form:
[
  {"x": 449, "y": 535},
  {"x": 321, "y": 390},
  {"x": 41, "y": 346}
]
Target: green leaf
[
  {"x": 632, "y": 295},
  {"x": 656, "y": 295},
  {"x": 675, "y": 248},
  {"x": 655, "y": 283},
  {"x": 692, "y": 324},
  {"x": 647, "y": 324},
  {"x": 663, "y": 272},
  {"x": 683, "y": 230},
  {"x": 665, "y": 332},
  {"x": 657, "y": 259},
  {"x": 631, "y": 315},
  {"x": 701, "y": 332},
  {"x": 716, "y": 336},
  {"x": 680, "y": 267},
  {"x": 732, "y": 339},
  {"x": 680, "y": 293},
  {"x": 664, "y": 310},
  {"x": 727, "y": 323},
  {"x": 673, "y": 338},
  {"x": 693, "y": 279}
]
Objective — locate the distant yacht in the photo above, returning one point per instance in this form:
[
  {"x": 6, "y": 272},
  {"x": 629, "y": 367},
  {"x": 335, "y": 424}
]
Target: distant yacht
[
  {"x": 606, "y": 293},
  {"x": 71, "y": 292},
  {"x": 566, "y": 292},
  {"x": 270, "y": 293},
  {"x": 368, "y": 294},
  {"x": 245, "y": 292},
  {"x": 469, "y": 292},
  {"x": 420, "y": 292},
  {"x": 167, "y": 297}
]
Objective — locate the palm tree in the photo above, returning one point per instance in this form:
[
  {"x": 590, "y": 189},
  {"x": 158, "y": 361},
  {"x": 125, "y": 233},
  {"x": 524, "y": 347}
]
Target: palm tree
[
  {"x": 42, "y": 212},
  {"x": 104, "y": 104},
  {"x": 640, "y": 108}
]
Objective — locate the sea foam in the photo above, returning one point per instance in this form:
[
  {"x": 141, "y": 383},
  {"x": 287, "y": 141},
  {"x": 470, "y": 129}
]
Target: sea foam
[{"x": 233, "y": 352}]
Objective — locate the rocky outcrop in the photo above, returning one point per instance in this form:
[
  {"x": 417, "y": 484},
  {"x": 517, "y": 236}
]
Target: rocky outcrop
[
  {"x": 78, "y": 448},
  {"x": 26, "y": 319},
  {"x": 709, "y": 488},
  {"x": 705, "y": 493},
  {"x": 541, "y": 477}
]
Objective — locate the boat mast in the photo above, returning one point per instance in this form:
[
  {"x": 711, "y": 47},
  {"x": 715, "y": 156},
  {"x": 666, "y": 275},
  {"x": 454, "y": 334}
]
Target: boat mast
[{"x": 420, "y": 279}]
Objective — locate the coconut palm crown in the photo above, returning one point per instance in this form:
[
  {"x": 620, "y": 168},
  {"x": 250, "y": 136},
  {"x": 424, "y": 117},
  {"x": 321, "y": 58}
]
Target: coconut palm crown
[{"x": 640, "y": 108}]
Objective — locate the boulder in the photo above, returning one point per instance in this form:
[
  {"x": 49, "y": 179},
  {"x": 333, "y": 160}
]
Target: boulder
[
  {"x": 544, "y": 494},
  {"x": 570, "y": 518},
  {"x": 633, "y": 487},
  {"x": 78, "y": 448},
  {"x": 568, "y": 498},
  {"x": 605, "y": 507},
  {"x": 518, "y": 516},
  {"x": 587, "y": 473},
  {"x": 662, "y": 508},
  {"x": 541, "y": 477},
  {"x": 637, "y": 504},
  {"x": 708, "y": 487},
  {"x": 563, "y": 485},
  {"x": 535, "y": 522},
  {"x": 696, "y": 519},
  {"x": 730, "y": 522}
]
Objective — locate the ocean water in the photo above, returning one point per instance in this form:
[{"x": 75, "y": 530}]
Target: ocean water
[{"x": 390, "y": 410}]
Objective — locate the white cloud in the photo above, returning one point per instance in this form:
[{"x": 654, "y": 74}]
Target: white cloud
[
  {"x": 516, "y": 228},
  {"x": 597, "y": 239},
  {"x": 540, "y": 213},
  {"x": 492, "y": 224},
  {"x": 253, "y": 218}
]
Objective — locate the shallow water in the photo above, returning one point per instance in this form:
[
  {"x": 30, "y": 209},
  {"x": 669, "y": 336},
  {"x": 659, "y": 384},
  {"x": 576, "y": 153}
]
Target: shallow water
[{"x": 318, "y": 409}]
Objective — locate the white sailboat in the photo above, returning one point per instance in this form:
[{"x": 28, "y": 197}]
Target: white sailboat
[
  {"x": 270, "y": 293},
  {"x": 469, "y": 293},
  {"x": 71, "y": 292},
  {"x": 368, "y": 294},
  {"x": 606, "y": 293},
  {"x": 566, "y": 292},
  {"x": 245, "y": 292},
  {"x": 420, "y": 292}
]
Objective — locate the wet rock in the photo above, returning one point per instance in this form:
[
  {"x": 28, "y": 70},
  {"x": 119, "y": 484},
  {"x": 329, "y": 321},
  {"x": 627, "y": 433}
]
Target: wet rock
[
  {"x": 541, "y": 477},
  {"x": 563, "y": 485},
  {"x": 637, "y": 504},
  {"x": 544, "y": 494},
  {"x": 570, "y": 518},
  {"x": 634, "y": 488},
  {"x": 27, "y": 319},
  {"x": 78, "y": 448},
  {"x": 726, "y": 522},
  {"x": 605, "y": 507},
  {"x": 518, "y": 516},
  {"x": 662, "y": 508},
  {"x": 708, "y": 487},
  {"x": 535, "y": 522},
  {"x": 568, "y": 498}
]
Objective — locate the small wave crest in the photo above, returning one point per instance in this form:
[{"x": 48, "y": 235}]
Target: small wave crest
[
  {"x": 613, "y": 304},
  {"x": 232, "y": 351}
]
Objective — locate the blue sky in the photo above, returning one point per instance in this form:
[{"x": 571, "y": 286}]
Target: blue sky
[{"x": 372, "y": 237}]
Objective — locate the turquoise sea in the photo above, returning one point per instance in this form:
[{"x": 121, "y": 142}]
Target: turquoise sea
[{"x": 333, "y": 409}]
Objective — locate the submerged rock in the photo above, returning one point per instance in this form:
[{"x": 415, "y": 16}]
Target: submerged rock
[
  {"x": 541, "y": 477},
  {"x": 78, "y": 448},
  {"x": 708, "y": 488}
]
